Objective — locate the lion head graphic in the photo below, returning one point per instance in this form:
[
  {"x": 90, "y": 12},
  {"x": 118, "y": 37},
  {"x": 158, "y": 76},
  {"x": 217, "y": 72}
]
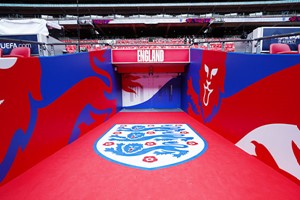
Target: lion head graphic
[{"x": 212, "y": 75}]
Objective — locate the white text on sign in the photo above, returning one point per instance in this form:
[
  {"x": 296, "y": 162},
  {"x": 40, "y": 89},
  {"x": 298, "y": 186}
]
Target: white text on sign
[{"x": 150, "y": 55}]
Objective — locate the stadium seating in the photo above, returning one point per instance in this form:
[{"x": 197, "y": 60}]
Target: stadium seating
[
  {"x": 20, "y": 52},
  {"x": 144, "y": 43},
  {"x": 278, "y": 48}
]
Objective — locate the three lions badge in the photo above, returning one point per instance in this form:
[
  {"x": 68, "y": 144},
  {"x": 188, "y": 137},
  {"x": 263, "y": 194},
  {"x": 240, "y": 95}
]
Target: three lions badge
[{"x": 150, "y": 146}]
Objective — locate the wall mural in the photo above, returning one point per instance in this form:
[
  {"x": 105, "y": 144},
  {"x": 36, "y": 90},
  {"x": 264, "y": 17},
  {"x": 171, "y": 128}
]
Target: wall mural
[
  {"x": 48, "y": 102},
  {"x": 161, "y": 90},
  {"x": 252, "y": 101}
]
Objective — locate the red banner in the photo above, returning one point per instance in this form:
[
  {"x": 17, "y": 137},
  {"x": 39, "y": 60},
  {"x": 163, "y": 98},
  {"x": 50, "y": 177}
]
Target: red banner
[{"x": 134, "y": 56}]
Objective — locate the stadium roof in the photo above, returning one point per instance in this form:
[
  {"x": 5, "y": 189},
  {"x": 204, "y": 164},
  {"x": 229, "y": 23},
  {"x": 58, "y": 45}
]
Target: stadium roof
[
  {"x": 121, "y": 1},
  {"x": 104, "y": 9},
  {"x": 130, "y": 7}
]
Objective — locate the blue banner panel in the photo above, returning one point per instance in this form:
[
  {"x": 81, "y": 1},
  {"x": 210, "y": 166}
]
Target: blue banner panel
[
  {"x": 7, "y": 46},
  {"x": 292, "y": 41}
]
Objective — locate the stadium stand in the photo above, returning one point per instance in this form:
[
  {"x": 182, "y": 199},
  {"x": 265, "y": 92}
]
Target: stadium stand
[
  {"x": 278, "y": 48},
  {"x": 142, "y": 43},
  {"x": 20, "y": 52},
  {"x": 137, "y": 19}
]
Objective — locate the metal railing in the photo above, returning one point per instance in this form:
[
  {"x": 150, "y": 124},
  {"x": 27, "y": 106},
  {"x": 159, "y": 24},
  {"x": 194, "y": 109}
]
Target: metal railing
[
  {"x": 257, "y": 41},
  {"x": 46, "y": 46}
]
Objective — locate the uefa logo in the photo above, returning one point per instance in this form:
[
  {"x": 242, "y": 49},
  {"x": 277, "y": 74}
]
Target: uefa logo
[{"x": 150, "y": 146}]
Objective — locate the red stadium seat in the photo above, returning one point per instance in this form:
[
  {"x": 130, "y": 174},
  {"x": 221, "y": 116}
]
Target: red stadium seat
[
  {"x": 278, "y": 48},
  {"x": 20, "y": 52}
]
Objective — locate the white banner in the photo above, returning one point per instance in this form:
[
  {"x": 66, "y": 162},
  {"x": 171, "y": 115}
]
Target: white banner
[{"x": 24, "y": 26}]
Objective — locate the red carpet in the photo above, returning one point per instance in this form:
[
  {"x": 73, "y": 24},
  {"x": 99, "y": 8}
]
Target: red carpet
[{"x": 222, "y": 172}]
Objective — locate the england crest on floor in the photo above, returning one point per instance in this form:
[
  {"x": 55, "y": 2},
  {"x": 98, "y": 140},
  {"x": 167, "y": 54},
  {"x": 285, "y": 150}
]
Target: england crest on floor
[{"x": 150, "y": 146}]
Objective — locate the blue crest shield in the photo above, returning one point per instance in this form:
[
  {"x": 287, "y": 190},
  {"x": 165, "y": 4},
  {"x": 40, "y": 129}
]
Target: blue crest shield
[{"x": 150, "y": 146}]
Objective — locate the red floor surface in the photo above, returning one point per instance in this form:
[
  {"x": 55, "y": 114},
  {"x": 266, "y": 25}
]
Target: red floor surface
[{"x": 222, "y": 172}]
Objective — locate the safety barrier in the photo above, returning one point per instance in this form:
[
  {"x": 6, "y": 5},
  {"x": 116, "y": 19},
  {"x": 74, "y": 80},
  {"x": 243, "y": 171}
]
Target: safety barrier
[{"x": 227, "y": 45}]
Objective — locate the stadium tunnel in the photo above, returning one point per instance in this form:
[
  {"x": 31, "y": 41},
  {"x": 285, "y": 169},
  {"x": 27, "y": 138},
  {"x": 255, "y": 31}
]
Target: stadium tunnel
[{"x": 151, "y": 119}]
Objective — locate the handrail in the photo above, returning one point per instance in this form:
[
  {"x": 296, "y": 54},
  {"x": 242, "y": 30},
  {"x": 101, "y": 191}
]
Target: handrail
[
  {"x": 197, "y": 41},
  {"x": 21, "y": 41},
  {"x": 42, "y": 44},
  {"x": 258, "y": 40},
  {"x": 251, "y": 40}
]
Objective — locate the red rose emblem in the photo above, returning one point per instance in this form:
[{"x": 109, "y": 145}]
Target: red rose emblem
[
  {"x": 191, "y": 143},
  {"x": 108, "y": 143},
  {"x": 150, "y": 132},
  {"x": 150, "y": 159},
  {"x": 184, "y": 132},
  {"x": 150, "y": 143}
]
